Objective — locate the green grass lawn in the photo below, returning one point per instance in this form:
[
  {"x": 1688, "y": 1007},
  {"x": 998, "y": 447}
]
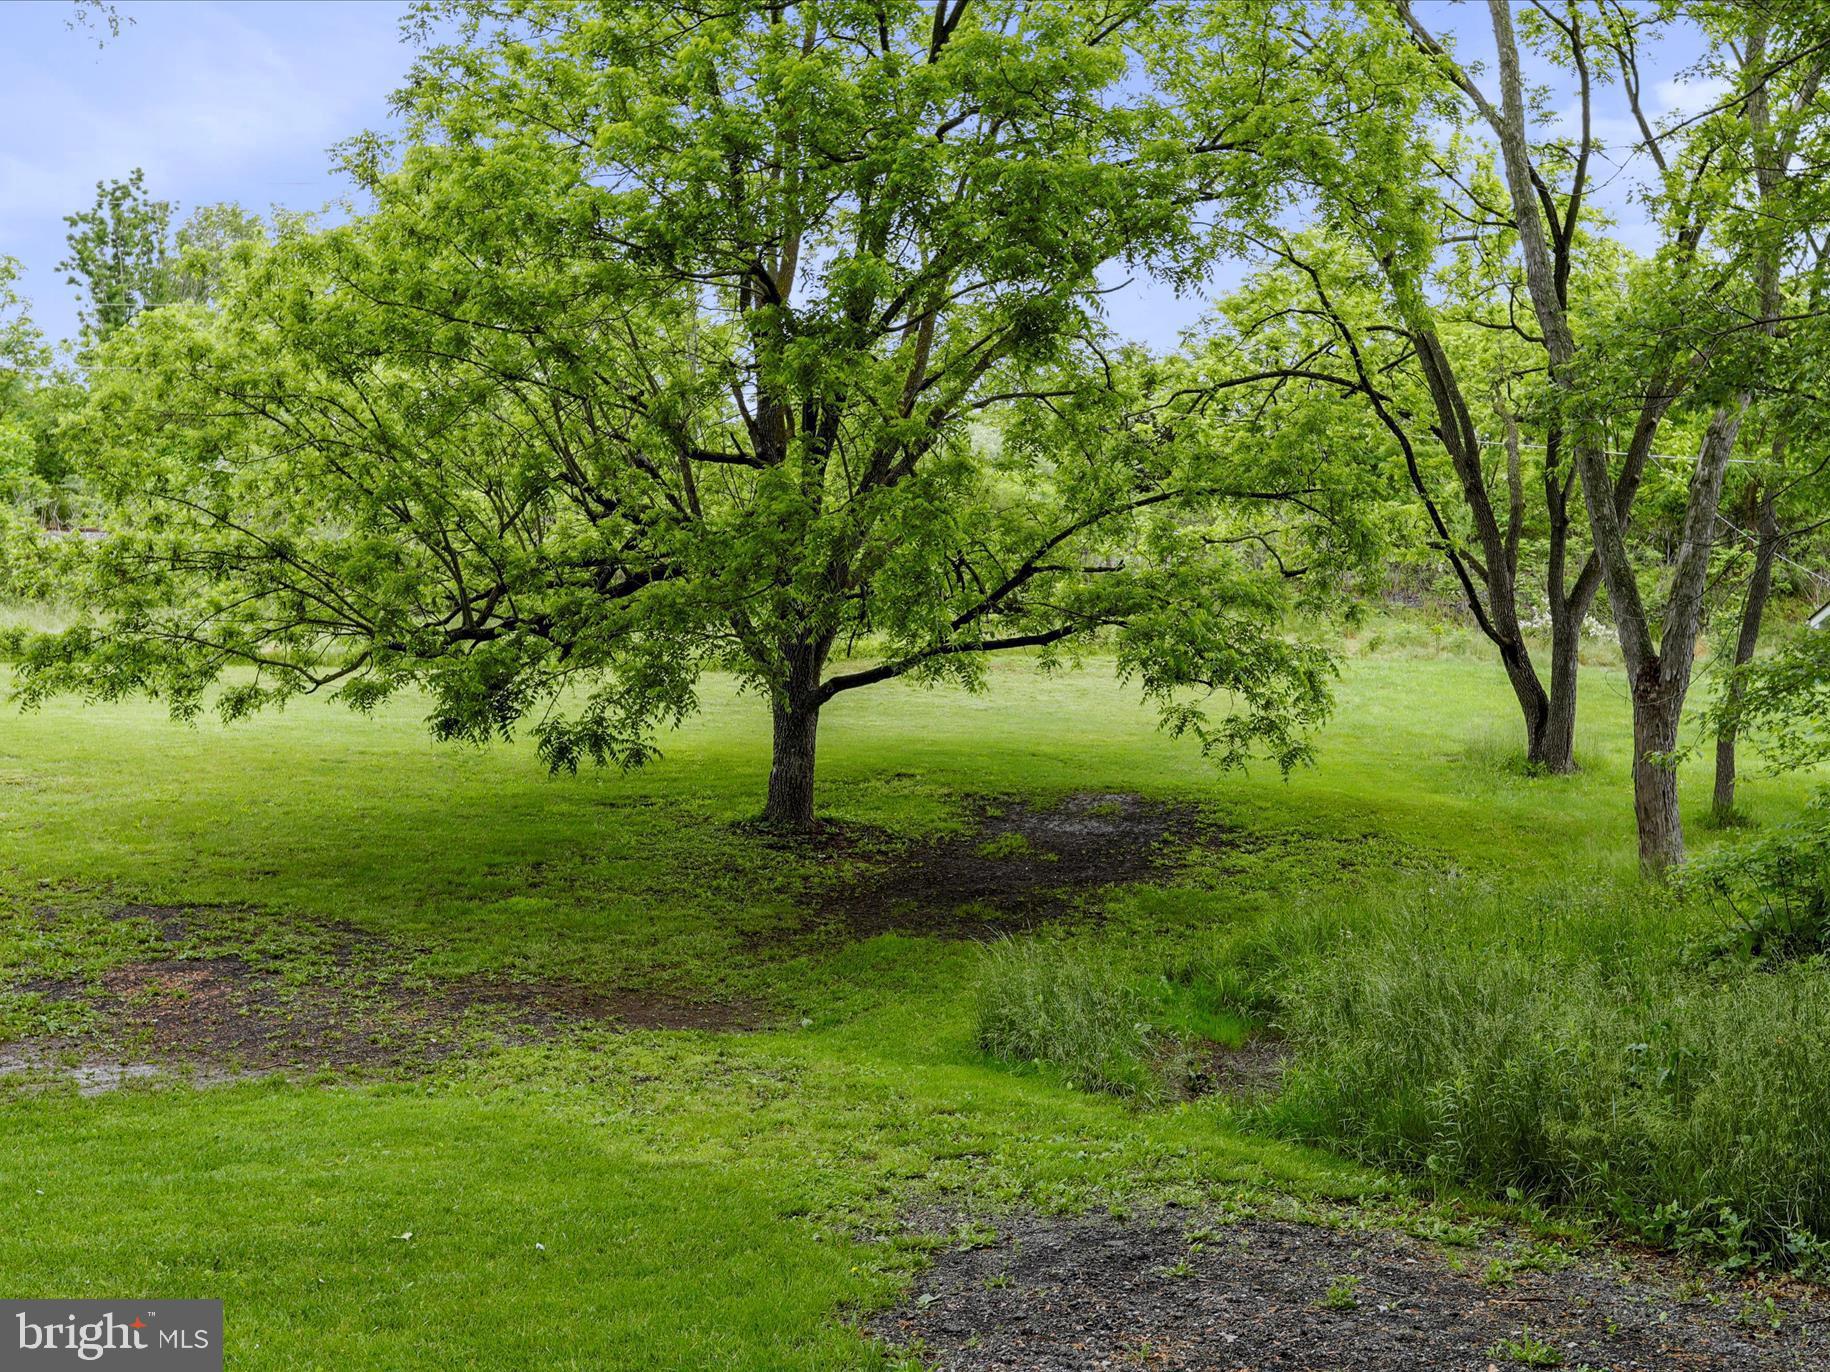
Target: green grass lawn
[{"x": 675, "y": 1199}]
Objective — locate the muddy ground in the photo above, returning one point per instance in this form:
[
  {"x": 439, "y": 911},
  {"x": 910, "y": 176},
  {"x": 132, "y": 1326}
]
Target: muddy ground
[
  {"x": 1016, "y": 865},
  {"x": 218, "y": 1016},
  {"x": 215, "y": 1018},
  {"x": 1176, "y": 1291}
]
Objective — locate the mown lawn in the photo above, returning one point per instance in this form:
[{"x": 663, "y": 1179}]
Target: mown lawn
[{"x": 674, "y": 1199}]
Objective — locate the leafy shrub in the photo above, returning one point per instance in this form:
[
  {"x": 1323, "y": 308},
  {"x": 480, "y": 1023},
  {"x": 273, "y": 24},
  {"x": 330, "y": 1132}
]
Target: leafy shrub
[
  {"x": 1565, "y": 1047},
  {"x": 1773, "y": 892},
  {"x": 1053, "y": 1006}
]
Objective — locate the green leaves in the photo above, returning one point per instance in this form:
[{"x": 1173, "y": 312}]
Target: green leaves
[{"x": 740, "y": 337}]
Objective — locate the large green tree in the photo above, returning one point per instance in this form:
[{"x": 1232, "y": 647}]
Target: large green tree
[
  {"x": 1438, "y": 198},
  {"x": 1450, "y": 406},
  {"x": 753, "y": 336},
  {"x": 1392, "y": 284}
]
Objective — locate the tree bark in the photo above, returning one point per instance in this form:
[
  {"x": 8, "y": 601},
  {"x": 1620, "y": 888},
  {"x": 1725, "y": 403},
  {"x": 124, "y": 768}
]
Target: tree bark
[
  {"x": 1657, "y": 709},
  {"x": 1661, "y": 677},
  {"x": 794, "y": 707},
  {"x": 1569, "y": 604},
  {"x": 1498, "y": 564},
  {"x": 1753, "y": 609},
  {"x": 1559, "y": 745},
  {"x": 790, "y": 802},
  {"x": 1533, "y": 703}
]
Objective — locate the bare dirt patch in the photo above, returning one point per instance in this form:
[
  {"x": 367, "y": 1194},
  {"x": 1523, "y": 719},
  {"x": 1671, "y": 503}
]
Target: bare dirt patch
[
  {"x": 352, "y": 1006},
  {"x": 1064, "y": 1295},
  {"x": 226, "y": 1011},
  {"x": 1017, "y": 865},
  {"x": 1254, "y": 1068},
  {"x": 555, "y": 1005}
]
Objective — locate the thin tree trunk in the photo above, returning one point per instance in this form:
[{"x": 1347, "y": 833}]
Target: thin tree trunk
[
  {"x": 1769, "y": 174},
  {"x": 1569, "y": 609},
  {"x": 1753, "y": 609},
  {"x": 1532, "y": 701},
  {"x": 1560, "y": 720},
  {"x": 1498, "y": 563},
  {"x": 1540, "y": 709},
  {"x": 1662, "y": 678},
  {"x": 1656, "y": 712},
  {"x": 790, "y": 802}
]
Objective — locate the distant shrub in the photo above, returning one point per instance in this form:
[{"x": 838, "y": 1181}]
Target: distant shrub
[
  {"x": 1565, "y": 1047},
  {"x": 20, "y": 617},
  {"x": 1062, "y": 1008}
]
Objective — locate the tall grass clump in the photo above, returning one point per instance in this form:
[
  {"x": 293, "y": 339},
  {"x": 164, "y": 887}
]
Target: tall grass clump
[
  {"x": 1070, "y": 1010},
  {"x": 1573, "y": 1046}
]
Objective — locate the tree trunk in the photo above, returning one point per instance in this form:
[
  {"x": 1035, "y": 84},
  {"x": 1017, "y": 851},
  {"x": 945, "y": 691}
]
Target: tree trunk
[
  {"x": 1661, "y": 677},
  {"x": 1656, "y": 711},
  {"x": 1498, "y": 564},
  {"x": 1532, "y": 702},
  {"x": 1559, "y": 747},
  {"x": 1569, "y": 606},
  {"x": 1759, "y": 587},
  {"x": 790, "y": 803}
]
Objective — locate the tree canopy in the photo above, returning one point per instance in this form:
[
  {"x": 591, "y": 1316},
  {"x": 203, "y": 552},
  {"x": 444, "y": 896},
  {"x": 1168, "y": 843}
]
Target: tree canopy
[
  {"x": 738, "y": 337},
  {"x": 769, "y": 339}
]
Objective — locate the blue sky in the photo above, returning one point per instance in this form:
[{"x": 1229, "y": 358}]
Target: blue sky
[
  {"x": 229, "y": 100},
  {"x": 217, "y": 101}
]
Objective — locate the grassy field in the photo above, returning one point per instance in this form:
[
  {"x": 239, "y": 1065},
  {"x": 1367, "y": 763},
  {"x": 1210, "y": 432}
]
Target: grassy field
[{"x": 678, "y": 1199}]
